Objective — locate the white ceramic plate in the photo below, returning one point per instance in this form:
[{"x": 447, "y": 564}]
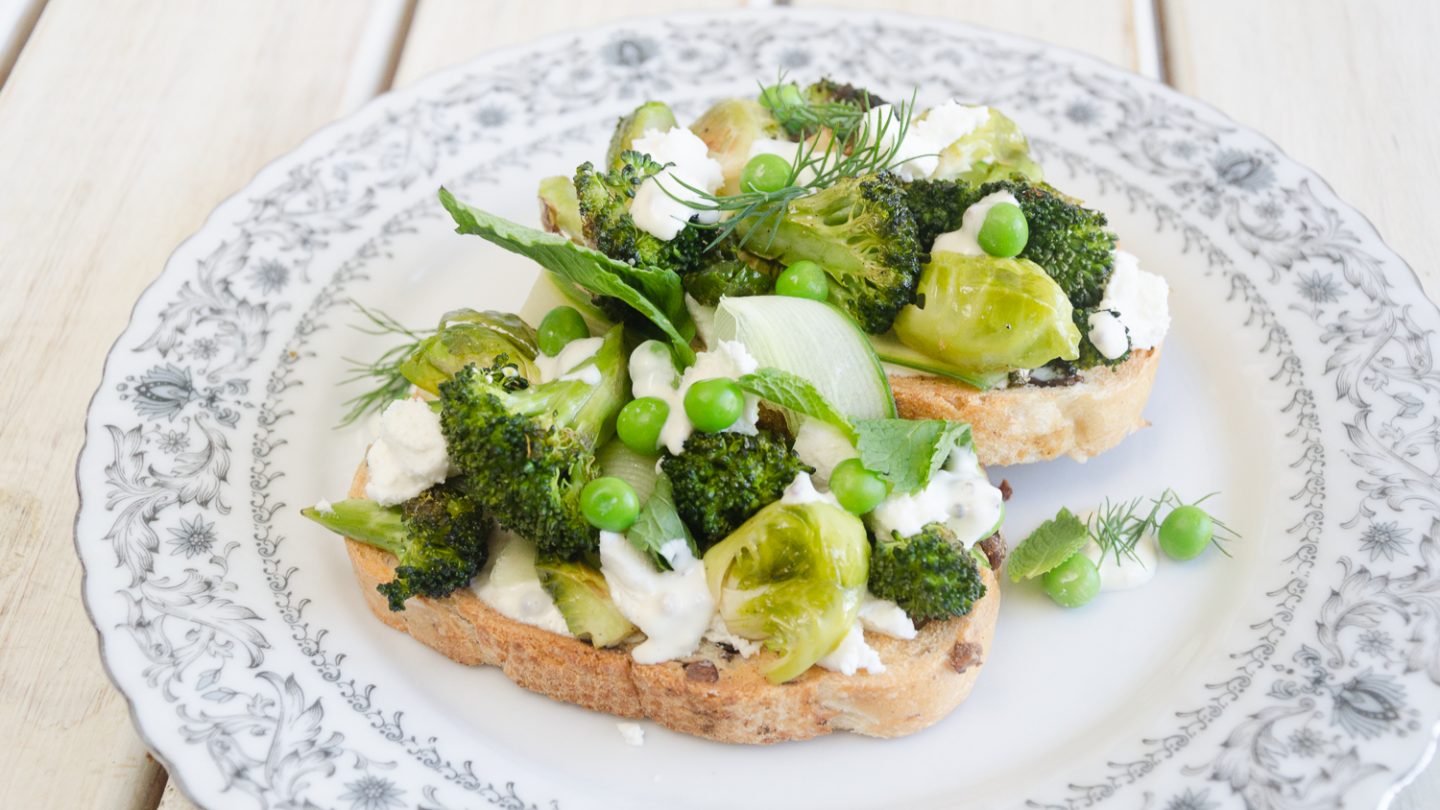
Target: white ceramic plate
[{"x": 1299, "y": 381}]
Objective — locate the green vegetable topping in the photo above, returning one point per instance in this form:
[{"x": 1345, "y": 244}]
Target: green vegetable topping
[
  {"x": 930, "y": 575},
  {"x": 906, "y": 452},
  {"x": 1004, "y": 231},
  {"x": 583, "y": 599},
  {"x": 803, "y": 279},
  {"x": 856, "y": 488},
  {"x": 659, "y": 523},
  {"x": 793, "y": 575},
  {"x": 780, "y": 96},
  {"x": 765, "y": 173},
  {"x": 560, "y": 327},
  {"x": 723, "y": 478},
  {"x": 1185, "y": 532},
  {"x": 1073, "y": 582},
  {"x": 984, "y": 314},
  {"x": 796, "y": 394},
  {"x": 1056, "y": 541},
  {"x": 714, "y": 404},
  {"x": 650, "y": 115},
  {"x": 640, "y": 422},
  {"x": 610, "y": 504}
]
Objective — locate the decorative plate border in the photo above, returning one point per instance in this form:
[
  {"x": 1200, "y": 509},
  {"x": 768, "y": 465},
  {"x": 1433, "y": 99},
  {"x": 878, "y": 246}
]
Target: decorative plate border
[{"x": 1370, "y": 668}]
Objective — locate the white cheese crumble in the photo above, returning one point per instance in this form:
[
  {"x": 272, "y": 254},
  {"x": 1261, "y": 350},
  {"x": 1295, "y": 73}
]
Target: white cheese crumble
[
  {"x": 966, "y": 239},
  {"x": 324, "y": 507},
  {"x": 632, "y": 733},
  {"x": 1141, "y": 299},
  {"x": 567, "y": 365},
  {"x": 719, "y": 633},
  {"x": 704, "y": 318},
  {"x": 510, "y": 585},
  {"x": 927, "y": 137},
  {"x": 802, "y": 491},
  {"x": 673, "y": 608},
  {"x": 1129, "y": 572},
  {"x": 652, "y": 374},
  {"x": 408, "y": 456},
  {"x": 822, "y": 446},
  {"x": 653, "y": 209},
  {"x": 883, "y": 616},
  {"x": 958, "y": 495},
  {"x": 852, "y": 654}
]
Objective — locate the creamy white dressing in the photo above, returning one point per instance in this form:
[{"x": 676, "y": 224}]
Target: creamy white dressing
[
  {"x": 883, "y": 616},
  {"x": 926, "y": 137},
  {"x": 672, "y": 608},
  {"x": 1108, "y": 334},
  {"x": 654, "y": 210},
  {"x": 966, "y": 239},
  {"x": 958, "y": 495},
  {"x": 652, "y": 374},
  {"x": 510, "y": 585},
  {"x": 1142, "y": 301},
  {"x": 852, "y": 654},
  {"x": 802, "y": 491},
  {"x": 1128, "y": 572},
  {"x": 822, "y": 446},
  {"x": 704, "y": 318},
  {"x": 408, "y": 456},
  {"x": 567, "y": 365}
]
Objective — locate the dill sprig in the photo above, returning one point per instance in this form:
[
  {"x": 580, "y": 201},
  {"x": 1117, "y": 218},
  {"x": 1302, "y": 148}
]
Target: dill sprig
[
  {"x": 1222, "y": 533},
  {"x": 1118, "y": 526},
  {"x": 867, "y": 147},
  {"x": 388, "y": 384}
]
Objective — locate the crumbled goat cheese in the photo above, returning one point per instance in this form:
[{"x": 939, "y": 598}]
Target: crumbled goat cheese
[
  {"x": 852, "y": 654},
  {"x": 883, "y": 616},
  {"x": 632, "y": 733},
  {"x": 822, "y": 446},
  {"x": 803, "y": 491},
  {"x": 408, "y": 456},
  {"x": 324, "y": 507},
  {"x": 510, "y": 585},
  {"x": 673, "y": 608},
  {"x": 1141, "y": 300},
  {"x": 654, "y": 210},
  {"x": 958, "y": 495}
]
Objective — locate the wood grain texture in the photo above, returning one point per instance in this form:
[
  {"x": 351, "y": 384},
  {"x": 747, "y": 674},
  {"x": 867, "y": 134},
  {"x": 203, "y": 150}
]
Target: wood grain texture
[
  {"x": 447, "y": 32},
  {"x": 1346, "y": 88},
  {"x": 1104, "y": 28},
  {"x": 121, "y": 127}
]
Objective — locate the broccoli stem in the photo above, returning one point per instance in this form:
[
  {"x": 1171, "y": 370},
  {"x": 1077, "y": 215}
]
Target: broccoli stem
[{"x": 366, "y": 521}]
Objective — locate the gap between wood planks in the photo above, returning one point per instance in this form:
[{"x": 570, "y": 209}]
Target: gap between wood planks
[{"x": 17, "y": 20}]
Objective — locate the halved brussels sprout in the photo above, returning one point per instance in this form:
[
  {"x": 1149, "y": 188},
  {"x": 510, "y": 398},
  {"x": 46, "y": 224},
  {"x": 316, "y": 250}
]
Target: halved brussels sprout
[
  {"x": 560, "y": 208},
  {"x": 648, "y": 116},
  {"x": 985, "y": 315},
  {"x": 995, "y": 150},
  {"x": 583, "y": 597},
  {"x": 792, "y": 575},
  {"x": 466, "y": 336},
  {"x": 728, "y": 130}
]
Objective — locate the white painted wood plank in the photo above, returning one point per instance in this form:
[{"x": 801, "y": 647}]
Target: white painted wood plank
[
  {"x": 122, "y": 125},
  {"x": 17, "y": 18}
]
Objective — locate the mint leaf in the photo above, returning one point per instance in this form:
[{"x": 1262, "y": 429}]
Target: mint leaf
[
  {"x": 658, "y": 524},
  {"x": 1053, "y": 543},
  {"x": 795, "y": 393},
  {"x": 908, "y": 451},
  {"x": 652, "y": 291}
]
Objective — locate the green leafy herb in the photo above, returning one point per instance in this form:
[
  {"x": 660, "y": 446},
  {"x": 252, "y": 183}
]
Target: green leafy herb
[
  {"x": 908, "y": 451},
  {"x": 653, "y": 292},
  {"x": 1053, "y": 543},
  {"x": 858, "y": 149},
  {"x": 1118, "y": 526},
  {"x": 387, "y": 383},
  {"x": 659, "y": 524},
  {"x": 795, "y": 393}
]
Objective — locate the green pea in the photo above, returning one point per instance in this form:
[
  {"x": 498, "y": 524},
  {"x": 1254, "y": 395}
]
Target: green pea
[
  {"x": 558, "y": 328},
  {"x": 610, "y": 504},
  {"x": 1004, "y": 232},
  {"x": 640, "y": 422},
  {"x": 1073, "y": 582},
  {"x": 803, "y": 279},
  {"x": 765, "y": 173},
  {"x": 714, "y": 405},
  {"x": 781, "y": 95},
  {"x": 1185, "y": 532},
  {"x": 857, "y": 489}
]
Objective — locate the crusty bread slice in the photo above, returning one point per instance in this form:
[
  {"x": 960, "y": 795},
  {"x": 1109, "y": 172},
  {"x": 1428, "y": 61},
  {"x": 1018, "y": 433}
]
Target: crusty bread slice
[
  {"x": 714, "y": 693},
  {"x": 1035, "y": 423}
]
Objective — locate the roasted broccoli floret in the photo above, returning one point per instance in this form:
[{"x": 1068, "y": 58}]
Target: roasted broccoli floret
[
  {"x": 440, "y": 538},
  {"x": 929, "y": 575},
  {"x": 1072, "y": 243},
  {"x": 826, "y": 103},
  {"x": 729, "y": 272},
  {"x": 526, "y": 453},
  {"x": 861, "y": 232},
  {"x": 723, "y": 478},
  {"x": 605, "y": 211}
]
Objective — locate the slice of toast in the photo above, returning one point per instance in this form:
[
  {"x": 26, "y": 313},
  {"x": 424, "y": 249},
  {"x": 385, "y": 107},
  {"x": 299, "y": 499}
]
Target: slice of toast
[{"x": 714, "y": 693}]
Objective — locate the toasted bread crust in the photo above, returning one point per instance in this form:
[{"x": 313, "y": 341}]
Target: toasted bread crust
[
  {"x": 710, "y": 694},
  {"x": 1033, "y": 423}
]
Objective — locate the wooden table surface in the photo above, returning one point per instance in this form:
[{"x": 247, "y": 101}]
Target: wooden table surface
[{"x": 123, "y": 123}]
